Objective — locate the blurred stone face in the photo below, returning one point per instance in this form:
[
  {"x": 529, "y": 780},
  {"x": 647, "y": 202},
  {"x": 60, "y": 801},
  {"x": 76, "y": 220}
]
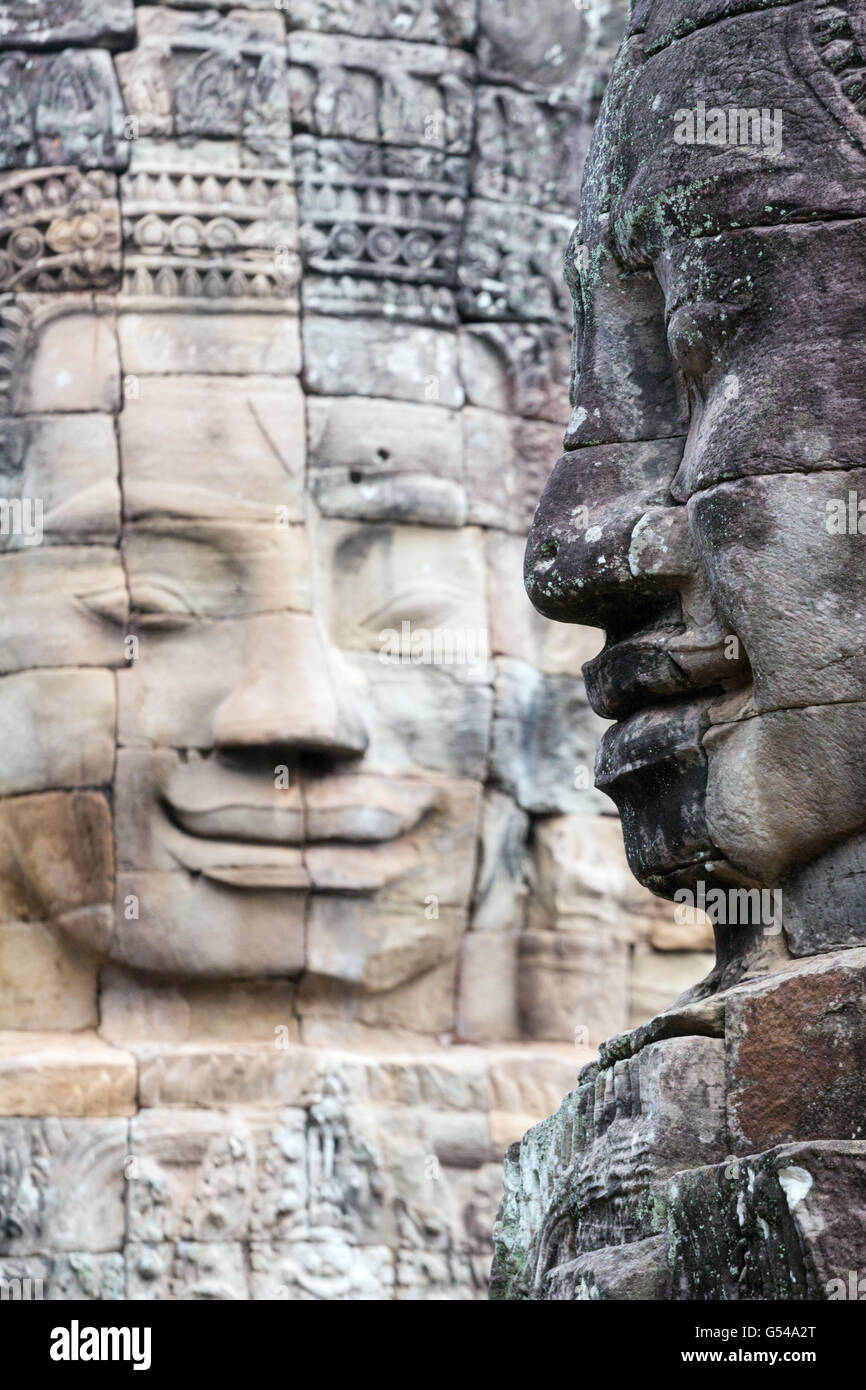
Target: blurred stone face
[
  {"x": 701, "y": 511},
  {"x": 284, "y": 367},
  {"x": 278, "y": 764}
]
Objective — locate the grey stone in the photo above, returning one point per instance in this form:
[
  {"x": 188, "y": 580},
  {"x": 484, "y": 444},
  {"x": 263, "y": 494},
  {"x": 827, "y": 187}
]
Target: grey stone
[
  {"x": 444, "y": 21},
  {"x": 59, "y": 229},
  {"x": 399, "y": 93},
  {"x": 371, "y": 357},
  {"x": 543, "y": 733},
  {"x": 62, "y": 1184},
  {"x": 62, "y": 109},
  {"x": 58, "y": 22},
  {"x": 205, "y": 74}
]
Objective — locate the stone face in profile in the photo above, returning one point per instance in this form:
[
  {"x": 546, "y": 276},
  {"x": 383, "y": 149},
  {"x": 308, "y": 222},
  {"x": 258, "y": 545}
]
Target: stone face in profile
[
  {"x": 717, "y": 421},
  {"x": 283, "y": 351},
  {"x": 706, "y": 515}
]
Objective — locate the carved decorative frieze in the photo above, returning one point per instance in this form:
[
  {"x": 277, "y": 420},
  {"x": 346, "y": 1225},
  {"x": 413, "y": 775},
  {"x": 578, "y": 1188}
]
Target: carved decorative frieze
[
  {"x": 219, "y": 239},
  {"x": 511, "y": 267},
  {"x": 49, "y": 23},
  {"x": 59, "y": 230},
  {"x": 61, "y": 108},
  {"x": 207, "y": 74},
  {"x": 424, "y": 21},
  {"x": 380, "y": 227},
  {"x": 529, "y": 149},
  {"x": 399, "y": 93}
]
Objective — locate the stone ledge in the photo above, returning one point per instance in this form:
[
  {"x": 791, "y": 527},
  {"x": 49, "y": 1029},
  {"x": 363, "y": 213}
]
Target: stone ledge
[
  {"x": 65, "y": 1075},
  {"x": 522, "y": 1079}
]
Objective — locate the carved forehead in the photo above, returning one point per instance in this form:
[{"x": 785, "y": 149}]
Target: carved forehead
[{"x": 797, "y": 65}]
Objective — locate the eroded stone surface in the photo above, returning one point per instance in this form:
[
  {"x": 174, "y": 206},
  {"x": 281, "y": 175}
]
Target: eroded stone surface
[{"x": 249, "y": 656}]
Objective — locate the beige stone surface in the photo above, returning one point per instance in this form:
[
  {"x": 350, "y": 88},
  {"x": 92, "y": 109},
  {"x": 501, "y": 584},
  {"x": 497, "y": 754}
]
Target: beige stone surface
[
  {"x": 171, "y": 342},
  {"x": 56, "y": 729},
  {"x": 378, "y": 947},
  {"x": 190, "y": 811},
  {"x": 428, "y": 866},
  {"x": 667, "y": 935},
  {"x": 57, "y": 864},
  {"x": 45, "y": 977},
  {"x": 179, "y": 570},
  {"x": 421, "y": 718},
  {"x": 64, "y": 1074},
  {"x": 212, "y": 422},
  {"x": 244, "y": 1015},
  {"x": 267, "y": 680},
  {"x": 487, "y": 1004},
  {"x": 658, "y": 977},
  {"x": 375, "y": 579},
  {"x": 502, "y": 885},
  {"x": 580, "y": 873},
  {"x": 62, "y": 606},
  {"x": 376, "y": 358},
  {"x": 507, "y": 462},
  {"x": 412, "y": 1014},
  {"x": 573, "y": 984},
  {"x": 526, "y": 1078},
  {"x": 70, "y": 358},
  {"x": 516, "y": 629},
  {"x": 373, "y": 460},
  {"x": 252, "y": 932},
  {"x": 79, "y": 502}
]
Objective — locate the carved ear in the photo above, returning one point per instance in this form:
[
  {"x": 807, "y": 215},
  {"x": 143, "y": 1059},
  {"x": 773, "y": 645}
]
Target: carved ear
[{"x": 826, "y": 46}]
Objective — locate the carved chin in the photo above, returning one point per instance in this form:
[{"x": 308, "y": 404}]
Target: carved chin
[{"x": 654, "y": 769}]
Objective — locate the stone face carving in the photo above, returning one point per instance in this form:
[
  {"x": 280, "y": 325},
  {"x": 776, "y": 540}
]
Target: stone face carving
[
  {"x": 700, "y": 514},
  {"x": 293, "y": 769}
]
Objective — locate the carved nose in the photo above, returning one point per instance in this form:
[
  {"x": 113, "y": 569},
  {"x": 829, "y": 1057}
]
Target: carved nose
[
  {"x": 292, "y": 697},
  {"x": 578, "y": 567}
]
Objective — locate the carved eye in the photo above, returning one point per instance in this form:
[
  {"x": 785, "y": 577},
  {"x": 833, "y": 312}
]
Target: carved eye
[
  {"x": 427, "y": 607},
  {"x": 158, "y": 605},
  {"x": 111, "y": 604}
]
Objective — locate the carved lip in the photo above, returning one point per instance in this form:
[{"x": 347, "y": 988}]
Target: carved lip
[
  {"x": 655, "y": 734},
  {"x": 348, "y": 822},
  {"x": 641, "y": 673},
  {"x": 355, "y": 833}
]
